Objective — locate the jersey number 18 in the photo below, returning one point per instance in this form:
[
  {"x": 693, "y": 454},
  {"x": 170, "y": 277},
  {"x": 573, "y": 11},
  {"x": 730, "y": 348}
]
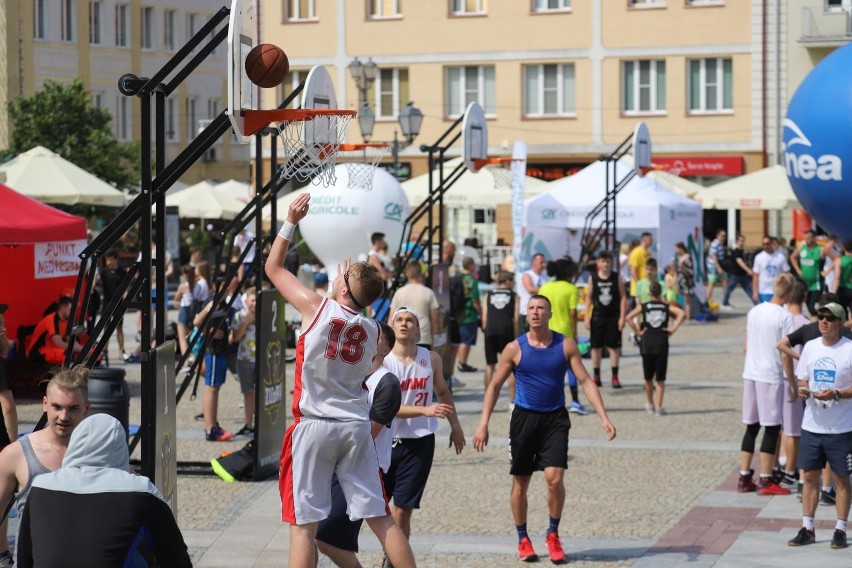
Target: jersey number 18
[{"x": 347, "y": 342}]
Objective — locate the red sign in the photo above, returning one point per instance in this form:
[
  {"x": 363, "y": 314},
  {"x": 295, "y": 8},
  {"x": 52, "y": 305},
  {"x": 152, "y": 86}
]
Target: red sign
[{"x": 702, "y": 165}]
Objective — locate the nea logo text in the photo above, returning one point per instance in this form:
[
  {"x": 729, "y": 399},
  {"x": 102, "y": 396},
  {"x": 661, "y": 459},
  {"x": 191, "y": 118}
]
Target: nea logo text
[{"x": 800, "y": 161}]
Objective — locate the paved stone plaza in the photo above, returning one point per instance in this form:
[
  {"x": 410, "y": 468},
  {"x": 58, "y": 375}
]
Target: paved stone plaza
[{"x": 663, "y": 493}]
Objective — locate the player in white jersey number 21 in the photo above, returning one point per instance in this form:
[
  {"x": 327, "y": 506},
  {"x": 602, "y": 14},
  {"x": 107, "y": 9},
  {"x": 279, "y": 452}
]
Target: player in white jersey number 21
[{"x": 331, "y": 430}]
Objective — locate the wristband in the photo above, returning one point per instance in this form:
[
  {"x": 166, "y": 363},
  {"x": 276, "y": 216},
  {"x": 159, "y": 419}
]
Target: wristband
[{"x": 287, "y": 230}]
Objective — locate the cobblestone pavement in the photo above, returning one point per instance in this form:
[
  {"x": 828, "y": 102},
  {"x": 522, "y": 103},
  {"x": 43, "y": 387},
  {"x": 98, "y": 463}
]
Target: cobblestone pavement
[{"x": 625, "y": 500}]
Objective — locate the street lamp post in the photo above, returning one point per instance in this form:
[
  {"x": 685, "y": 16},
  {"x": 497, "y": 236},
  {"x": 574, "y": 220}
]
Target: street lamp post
[{"x": 410, "y": 118}]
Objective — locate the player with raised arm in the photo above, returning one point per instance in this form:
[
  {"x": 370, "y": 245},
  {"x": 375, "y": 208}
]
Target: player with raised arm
[
  {"x": 538, "y": 431},
  {"x": 331, "y": 430}
]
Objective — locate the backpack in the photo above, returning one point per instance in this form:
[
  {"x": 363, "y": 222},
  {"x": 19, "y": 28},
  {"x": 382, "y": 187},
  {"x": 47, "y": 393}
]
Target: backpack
[
  {"x": 458, "y": 298},
  {"x": 235, "y": 466}
]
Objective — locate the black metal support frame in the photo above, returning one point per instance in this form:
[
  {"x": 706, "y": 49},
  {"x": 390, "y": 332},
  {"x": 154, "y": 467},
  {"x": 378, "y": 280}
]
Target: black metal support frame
[{"x": 594, "y": 235}]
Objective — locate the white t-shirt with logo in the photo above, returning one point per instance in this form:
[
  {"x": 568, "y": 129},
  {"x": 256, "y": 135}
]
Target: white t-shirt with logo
[
  {"x": 768, "y": 267},
  {"x": 523, "y": 295},
  {"x": 767, "y": 324},
  {"x": 827, "y": 368}
]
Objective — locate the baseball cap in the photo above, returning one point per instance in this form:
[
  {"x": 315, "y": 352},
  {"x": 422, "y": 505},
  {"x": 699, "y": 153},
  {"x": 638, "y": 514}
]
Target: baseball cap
[
  {"x": 320, "y": 278},
  {"x": 835, "y": 309},
  {"x": 402, "y": 309}
]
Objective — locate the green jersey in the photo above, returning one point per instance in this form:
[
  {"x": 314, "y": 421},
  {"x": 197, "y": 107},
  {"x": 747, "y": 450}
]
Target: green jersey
[
  {"x": 845, "y": 272},
  {"x": 809, "y": 264}
]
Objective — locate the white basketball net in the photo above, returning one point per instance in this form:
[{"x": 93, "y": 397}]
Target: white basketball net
[
  {"x": 311, "y": 146},
  {"x": 362, "y": 172}
]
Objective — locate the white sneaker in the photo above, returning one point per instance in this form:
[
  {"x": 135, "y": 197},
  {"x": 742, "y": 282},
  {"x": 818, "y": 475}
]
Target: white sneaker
[
  {"x": 661, "y": 411},
  {"x": 727, "y": 308},
  {"x": 649, "y": 408}
]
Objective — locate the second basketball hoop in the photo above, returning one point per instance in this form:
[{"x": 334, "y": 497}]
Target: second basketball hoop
[{"x": 364, "y": 161}]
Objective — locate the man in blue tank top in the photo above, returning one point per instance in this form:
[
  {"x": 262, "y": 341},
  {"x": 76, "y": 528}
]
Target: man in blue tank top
[{"x": 538, "y": 431}]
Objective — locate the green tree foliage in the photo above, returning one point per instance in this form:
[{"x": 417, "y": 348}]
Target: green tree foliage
[{"x": 62, "y": 118}]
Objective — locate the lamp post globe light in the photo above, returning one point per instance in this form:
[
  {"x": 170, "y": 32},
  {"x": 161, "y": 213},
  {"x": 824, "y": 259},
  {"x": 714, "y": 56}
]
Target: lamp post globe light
[{"x": 410, "y": 118}]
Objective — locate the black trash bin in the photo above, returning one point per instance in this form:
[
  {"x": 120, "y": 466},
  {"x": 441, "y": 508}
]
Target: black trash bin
[{"x": 109, "y": 394}]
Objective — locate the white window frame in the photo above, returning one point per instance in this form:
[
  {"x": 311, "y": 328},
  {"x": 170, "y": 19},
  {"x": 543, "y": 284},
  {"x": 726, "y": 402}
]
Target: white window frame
[
  {"x": 838, "y": 6},
  {"x": 191, "y": 117},
  {"x": 698, "y": 3},
  {"x": 122, "y": 25},
  {"x": 95, "y": 19},
  {"x": 169, "y": 24},
  {"x": 653, "y": 96},
  {"x": 293, "y": 11},
  {"x": 561, "y": 95},
  {"x": 381, "y": 112},
  {"x": 123, "y": 125},
  {"x": 172, "y": 120},
  {"x": 376, "y": 9},
  {"x": 487, "y": 100},
  {"x": 461, "y": 8},
  {"x": 146, "y": 30},
  {"x": 544, "y": 6},
  {"x": 640, "y": 4},
  {"x": 192, "y": 27},
  {"x": 66, "y": 21},
  {"x": 39, "y": 19},
  {"x": 718, "y": 80}
]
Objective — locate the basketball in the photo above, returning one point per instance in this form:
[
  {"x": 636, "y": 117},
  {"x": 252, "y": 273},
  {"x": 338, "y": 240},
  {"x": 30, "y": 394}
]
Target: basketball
[{"x": 267, "y": 65}]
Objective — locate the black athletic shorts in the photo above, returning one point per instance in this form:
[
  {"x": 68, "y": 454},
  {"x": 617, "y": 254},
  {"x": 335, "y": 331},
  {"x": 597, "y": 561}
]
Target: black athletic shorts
[
  {"x": 494, "y": 345},
  {"x": 538, "y": 440},
  {"x": 336, "y": 529},
  {"x": 655, "y": 366},
  {"x": 817, "y": 449},
  {"x": 604, "y": 333},
  {"x": 411, "y": 462}
]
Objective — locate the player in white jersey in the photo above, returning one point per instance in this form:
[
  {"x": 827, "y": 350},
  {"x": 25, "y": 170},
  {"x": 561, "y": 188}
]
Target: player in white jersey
[
  {"x": 331, "y": 431},
  {"x": 419, "y": 372}
]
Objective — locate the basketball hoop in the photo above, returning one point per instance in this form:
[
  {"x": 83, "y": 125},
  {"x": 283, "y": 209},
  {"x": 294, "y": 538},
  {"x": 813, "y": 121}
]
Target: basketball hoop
[
  {"x": 501, "y": 169},
  {"x": 311, "y": 139},
  {"x": 362, "y": 171}
]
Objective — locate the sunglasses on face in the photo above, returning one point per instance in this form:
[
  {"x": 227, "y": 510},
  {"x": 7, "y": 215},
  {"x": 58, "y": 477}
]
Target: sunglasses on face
[{"x": 827, "y": 317}]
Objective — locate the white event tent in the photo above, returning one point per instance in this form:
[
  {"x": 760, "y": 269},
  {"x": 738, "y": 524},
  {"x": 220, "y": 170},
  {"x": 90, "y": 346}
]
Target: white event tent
[{"x": 554, "y": 220}]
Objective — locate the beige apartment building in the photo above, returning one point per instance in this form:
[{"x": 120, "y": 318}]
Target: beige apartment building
[{"x": 102, "y": 40}]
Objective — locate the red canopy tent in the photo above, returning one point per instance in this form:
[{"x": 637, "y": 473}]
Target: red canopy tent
[{"x": 38, "y": 256}]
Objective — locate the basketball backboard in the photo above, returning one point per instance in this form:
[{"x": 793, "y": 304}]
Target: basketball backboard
[
  {"x": 243, "y": 35},
  {"x": 474, "y": 136},
  {"x": 319, "y": 94},
  {"x": 641, "y": 147}
]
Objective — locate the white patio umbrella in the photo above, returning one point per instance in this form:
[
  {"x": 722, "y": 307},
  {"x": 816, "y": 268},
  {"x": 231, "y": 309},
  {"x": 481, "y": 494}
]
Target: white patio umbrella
[
  {"x": 204, "y": 201},
  {"x": 768, "y": 188},
  {"x": 240, "y": 191},
  {"x": 48, "y": 177}
]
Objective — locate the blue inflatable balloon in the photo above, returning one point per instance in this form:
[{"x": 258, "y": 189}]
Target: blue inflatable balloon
[{"x": 817, "y": 142}]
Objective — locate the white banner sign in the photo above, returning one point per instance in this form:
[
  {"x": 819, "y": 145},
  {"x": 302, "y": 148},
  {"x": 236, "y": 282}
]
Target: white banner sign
[
  {"x": 57, "y": 259},
  {"x": 519, "y": 176}
]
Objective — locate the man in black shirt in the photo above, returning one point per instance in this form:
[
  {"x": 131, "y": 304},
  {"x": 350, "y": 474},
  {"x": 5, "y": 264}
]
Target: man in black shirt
[
  {"x": 606, "y": 308},
  {"x": 739, "y": 272},
  {"x": 500, "y": 320},
  {"x": 110, "y": 278}
]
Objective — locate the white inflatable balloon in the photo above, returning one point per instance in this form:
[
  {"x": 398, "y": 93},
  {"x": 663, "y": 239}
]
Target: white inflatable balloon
[{"x": 341, "y": 219}]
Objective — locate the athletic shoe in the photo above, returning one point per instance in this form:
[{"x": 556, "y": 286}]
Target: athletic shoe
[
  {"x": 769, "y": 487},
  {"x": 124, "y": 356},
  {"x": 598, "y": 381},
  {"x": 804, "y": 537},
  {"x": 465, "y": 368},
  {"x": 245, "y": 431},
  {"x": 6, "y": 560},
  {"x": 727, "y": 308},
  {"x": 839, "y": 539},
  {"x": 616, "y": 384},
  {"x": 132, "y": 359},
  {"x": 649, "y": 408},
  {"x": 199, "y": 417},
  {"x": 790, "y": 478},
  {"x": 746, "y": 484},
  {"x": 577, "y": 408},
  {"x": 455, "y": 382},
  {"x": 827, "y": 497},
  {"x": 526, "y": 552},
  {"x": 554, "y": 548},
  {"x": 777, "y": 475},
  {"x": 661, "y": 411},
  {"x": 217, "y": 434}
]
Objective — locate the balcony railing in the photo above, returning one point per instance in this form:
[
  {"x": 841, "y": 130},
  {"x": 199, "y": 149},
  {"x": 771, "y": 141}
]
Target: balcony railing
[{"x": 823, "y": 26}]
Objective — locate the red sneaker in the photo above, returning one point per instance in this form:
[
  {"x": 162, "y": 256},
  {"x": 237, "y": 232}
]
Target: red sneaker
[
  {"x": 771, "y": 488},
  {"x": 616, "y": 384},
  {"x": 526, "y": 552},
  {"x": 554, "y": 548},
  {"x": 745, "y": 484},
  {"x": 598, "y": 381}
]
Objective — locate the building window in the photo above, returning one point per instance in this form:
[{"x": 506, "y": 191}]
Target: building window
[
  {"x": 121, "y": 25},
  {"x": 481, "y": 216},
  {"x": 646, "y": 3},
  {"x": 169, "y": 18},
  {"x": 468, "y": 7},
  {"x": 147, "y": 37},
  {"x": 38, "y": 19},
  {"x": 67, "y": 20},
  {"x": 98, "y": 100},
  {"x": 468, "y": 84},
  {"x": 711, "y": 85},
  {"x": 193, "y": 24},
  {"x": 384, "y": 8},
  {"x": 95, "y": 23},
  {"x": 171, "y": 120},
  {"x": 389, "y": 92},
  {"x": 290, "y": 84},
  {"x": 549, "y": 90},
  {"x": 644, "y": 87},
  {"x": 705, "y": 2},
  {"x": 551, "y": 5},
  {"x": 122, "y": 118},
  {"x": 838, "y": 5},
  {"x": 191, "y": 118},
  {"x": 300, "y": 10}
]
